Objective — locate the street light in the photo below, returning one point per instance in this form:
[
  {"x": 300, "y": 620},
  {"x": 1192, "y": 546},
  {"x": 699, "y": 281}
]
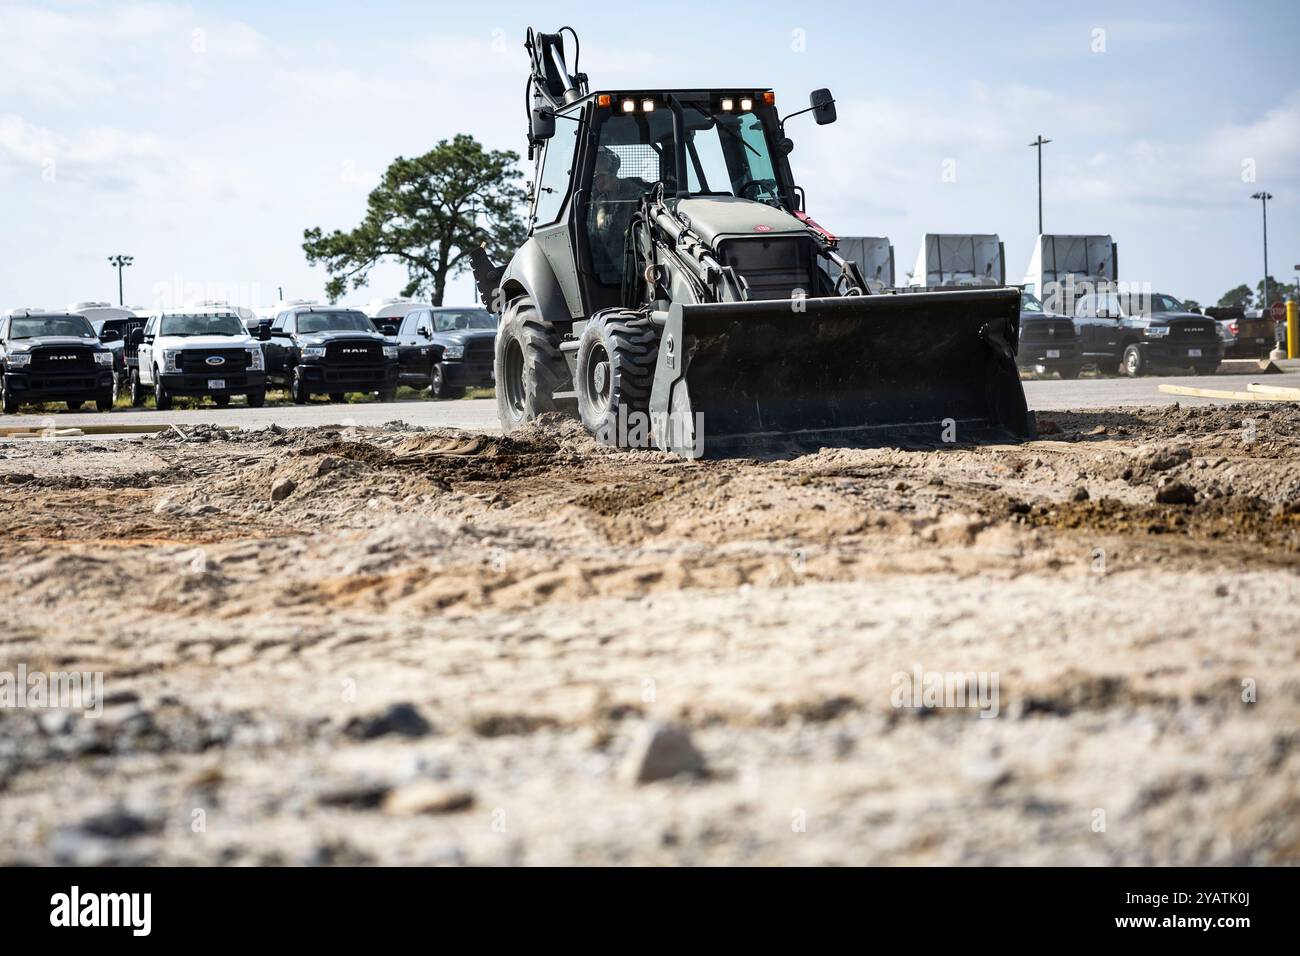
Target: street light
[
  {"x": 1264, "y": 198},
  {"x": 1038, "y": 144},
  {"x": 121, "y": 262}
]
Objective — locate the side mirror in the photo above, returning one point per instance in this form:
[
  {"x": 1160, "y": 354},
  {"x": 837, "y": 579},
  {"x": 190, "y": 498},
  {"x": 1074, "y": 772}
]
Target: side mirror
[
  {"x": 424, "y": 332},
  {"x": 264, "y": 331},
  {"x": 542, "y": 126},
  {"x": 137, "y": 335},
  {"x": 110, "y": 335},
  {"x": 823, "y": 106}
]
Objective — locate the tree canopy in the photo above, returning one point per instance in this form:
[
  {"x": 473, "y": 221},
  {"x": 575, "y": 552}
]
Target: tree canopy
[{"x": 428, "y": 213}]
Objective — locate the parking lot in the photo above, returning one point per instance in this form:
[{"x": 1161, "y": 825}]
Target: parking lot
[{"x": 480, "y": 414}]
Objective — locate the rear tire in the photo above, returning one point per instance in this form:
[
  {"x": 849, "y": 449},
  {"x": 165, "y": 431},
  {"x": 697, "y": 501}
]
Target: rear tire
[
  {"x": 388, "y": 394},
  {"x": 1135, "y": 363},
  {"x": 162, "y": 399},
  {"x": 1068, "y": 371},
  {"x": 616, "y": 367},
  {"x": 1106, "y": 368},
  {"x": 74, "y": 406},
  {"x": 529, "y": 367},
  {"x": 1205, "y": 368},
  {"x": 338, "y": 398}
]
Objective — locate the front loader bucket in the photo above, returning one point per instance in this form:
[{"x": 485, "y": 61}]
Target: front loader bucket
[{"x": 743, "y": 373}]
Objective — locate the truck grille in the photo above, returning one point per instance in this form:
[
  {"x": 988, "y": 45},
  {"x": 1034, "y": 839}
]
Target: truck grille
[
  {"x": 58, "y": 360},
  {"x": 773, "y": 268},
  {"x": 358, "y": 352},
  {"x": 480, "y": 350},
  {"x": 1193, "y": 332},
  {"x": 196, "y": 360},
  {"x": 1047, "y": 330}
]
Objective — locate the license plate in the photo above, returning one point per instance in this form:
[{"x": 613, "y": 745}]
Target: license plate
[
  {"x": 1053, "y": 353},
  {"x": 217, "y": 384},
  {"x": 1193, "y": 353},
  {"x": 1259, "y": 341}
]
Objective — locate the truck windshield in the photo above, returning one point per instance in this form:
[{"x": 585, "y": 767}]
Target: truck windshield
[
  {"x": 457, "y": 321},
  {"x": 334, "y": 322},
  {"x": 223, "y": 323},
  {"x": 34, "y": 327},
  {"x": 1137, "y": 303},
  {"x": 1029, "y": 303}
]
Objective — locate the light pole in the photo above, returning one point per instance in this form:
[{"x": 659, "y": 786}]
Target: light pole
[
  {"x": 1264, "y": 198},
  {"x": 1038, "y": 144},
  {"x": 121, "y": 262}
]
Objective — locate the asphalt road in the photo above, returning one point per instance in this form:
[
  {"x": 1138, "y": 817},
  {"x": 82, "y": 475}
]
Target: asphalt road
[{"x": 480, "y": 414}]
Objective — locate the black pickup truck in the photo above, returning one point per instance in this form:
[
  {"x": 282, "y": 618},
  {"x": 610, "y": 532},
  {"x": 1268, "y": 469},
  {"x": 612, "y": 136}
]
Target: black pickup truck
[
  {"x": 447, "y": 350},
  {"x": 1144, "y": 332},
  {"x": 1048, "y": 342},
  {"x": 53, "y": 356},
  {"x": 326, "y": 350}
]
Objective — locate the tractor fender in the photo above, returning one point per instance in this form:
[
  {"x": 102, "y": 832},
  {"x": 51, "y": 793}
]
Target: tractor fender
[{"x": 529, "y": 273}]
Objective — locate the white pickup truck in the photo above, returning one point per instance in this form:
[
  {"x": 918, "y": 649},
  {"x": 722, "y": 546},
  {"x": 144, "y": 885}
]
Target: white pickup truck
[{"x": 198, "y": 352}]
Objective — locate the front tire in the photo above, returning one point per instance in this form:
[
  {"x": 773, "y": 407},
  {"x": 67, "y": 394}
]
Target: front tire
[
  {"x": 223, "y": 401},
  {"x": 104, "y": 401},
  {"x": 1135, "y": 363},
  {"x": 162, "y": 399},
  {"x": 1205, "y": 368},
  {"x": 529, "y": 367},
  {"x": 298, "y": 387},
  {"x": 1068, "y": 371},
  {"x": 256, "y": 399},
  {"x": 388, "y": 394},
  {"x": 438, "y": 387},
  {"x": 338, "y": 398},
  {"x": 7, "y": 401},
  {"x": 616, "y": 367},
  {"x": 74, "y": 406},
  {"x": 138, "y": 394}
]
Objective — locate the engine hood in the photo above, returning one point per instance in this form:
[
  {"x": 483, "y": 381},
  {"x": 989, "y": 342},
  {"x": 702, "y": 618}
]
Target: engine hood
[
  {"x": 54, "y": 341},
  {"x": 718, "y": 217},
  {"x": 349, "y": 335},
  {"x": 463, "y": 336},
  {"x": 205, "y": 342}
]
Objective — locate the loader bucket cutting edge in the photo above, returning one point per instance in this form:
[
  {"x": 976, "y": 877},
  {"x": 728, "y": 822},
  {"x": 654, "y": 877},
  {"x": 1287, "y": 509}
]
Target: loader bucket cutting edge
[{"x": 736, "y": 372}]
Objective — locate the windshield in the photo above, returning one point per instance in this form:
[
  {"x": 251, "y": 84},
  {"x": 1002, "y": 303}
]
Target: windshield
[
  {"x": 727, "y": 155},
  {"x": 221, "y": 323},
  {"x": 457, "y": 321},
  {"x": 1148, "y": 304},
  {"x": 333, "y": 322},
  {"x": 1029, "y": 303},
  {"x": 34, "y": 327}
]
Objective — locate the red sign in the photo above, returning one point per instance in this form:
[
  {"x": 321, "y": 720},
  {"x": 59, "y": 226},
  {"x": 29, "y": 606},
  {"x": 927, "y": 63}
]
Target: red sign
[{"x": 1278, "y": 311}]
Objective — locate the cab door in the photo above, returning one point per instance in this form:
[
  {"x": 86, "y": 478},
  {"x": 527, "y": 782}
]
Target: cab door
[
  {"x": 1085, "y": 319},
  {"x": 277, "y": 347},
  {"x": 412, "y": 349},
  {"x": 144, "y": 355}
]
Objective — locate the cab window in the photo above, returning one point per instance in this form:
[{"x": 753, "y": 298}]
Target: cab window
[
  {"x": 557, "y": 164},
  {"x": 1086, "y": 307}
]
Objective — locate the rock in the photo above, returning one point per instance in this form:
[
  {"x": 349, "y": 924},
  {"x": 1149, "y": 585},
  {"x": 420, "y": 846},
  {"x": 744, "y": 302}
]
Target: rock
[
  {"x": 118, "y": 823},
  {"x": 661, "y": 752},
  {"x": 401, "y": 719},
  {"x": 282, "y": 488},
  {"x": 364, "y": 795},
  {"x": 1176, "y": 493},
  {"x": 1080, "y": 494},
  {"x": 426, "y": 796}
]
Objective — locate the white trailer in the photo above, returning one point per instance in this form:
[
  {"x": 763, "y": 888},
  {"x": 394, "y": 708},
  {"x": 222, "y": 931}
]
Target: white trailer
[
  {"x": 874, "y": 256},
  {"x": 1062, "y": 264},
  {"x": 950, "y": 260}
]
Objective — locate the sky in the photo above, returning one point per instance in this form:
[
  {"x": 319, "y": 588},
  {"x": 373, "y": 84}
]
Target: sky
[{"x": 203, "y": 138}]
